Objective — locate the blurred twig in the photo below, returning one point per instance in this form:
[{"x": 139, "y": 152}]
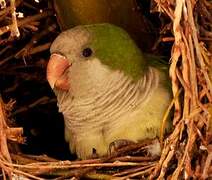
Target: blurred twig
[{"x": 25, "y": 21}]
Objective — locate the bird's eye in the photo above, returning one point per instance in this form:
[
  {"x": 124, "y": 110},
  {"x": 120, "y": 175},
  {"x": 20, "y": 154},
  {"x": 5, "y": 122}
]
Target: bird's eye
[{"x": 87, "y": 52}]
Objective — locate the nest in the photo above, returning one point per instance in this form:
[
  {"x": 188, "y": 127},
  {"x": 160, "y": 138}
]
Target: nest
[{"x": 187, "y": 150}]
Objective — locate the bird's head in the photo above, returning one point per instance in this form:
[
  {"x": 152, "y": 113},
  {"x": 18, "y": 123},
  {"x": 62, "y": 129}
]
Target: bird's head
[{"x": 91, "y": 52}]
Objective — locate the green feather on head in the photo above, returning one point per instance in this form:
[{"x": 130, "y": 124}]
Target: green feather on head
[{"x": 115, "y": 48}]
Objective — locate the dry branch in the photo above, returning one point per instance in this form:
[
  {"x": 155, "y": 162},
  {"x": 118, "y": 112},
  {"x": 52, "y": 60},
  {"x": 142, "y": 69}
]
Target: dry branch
[
  {"x": 25, "y": 22},
  {"x": 190, "y": 71},
  {"x": 7, "y": 133}
]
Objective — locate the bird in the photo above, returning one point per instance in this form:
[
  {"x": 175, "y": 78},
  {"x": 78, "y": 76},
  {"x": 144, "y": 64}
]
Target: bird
[{"x": 107, "y": 89}]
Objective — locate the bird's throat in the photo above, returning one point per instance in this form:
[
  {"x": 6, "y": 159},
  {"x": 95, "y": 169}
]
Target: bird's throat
[{"x": 114, "y": 99}]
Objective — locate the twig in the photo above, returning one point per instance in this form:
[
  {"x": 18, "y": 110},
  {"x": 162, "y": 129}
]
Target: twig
[
  {"x": 40, "y": 48},
  {"x": 70, "y": 165},
  {"x": 42, "y": 100},
  {"x": 30, "y": 6},
  {"x": 26, "y": 20},
  {"x": 3, "y": 137},
  {"x": 6, "y": 10},
  {"x": 208, "y": 165},
  {"x": 133, "y": 170},
  {"x": 27, "y": 50},
  {"x": 15, "y": 134},
  {"x": 14, "y": 27},
  {"x": 39, "y": 157},
  {"x": 143, "y": 172},
  {"x": 163, "y": 125},
  {"x": 4, "y": 49},
  {"x": 4, "y": 61}
]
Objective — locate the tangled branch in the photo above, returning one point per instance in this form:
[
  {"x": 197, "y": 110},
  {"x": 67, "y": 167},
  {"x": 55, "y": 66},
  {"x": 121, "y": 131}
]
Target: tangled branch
[{"x": 190, "y": 69}]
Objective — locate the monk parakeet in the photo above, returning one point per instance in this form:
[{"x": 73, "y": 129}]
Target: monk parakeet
[{"x": 106, "y": 88}]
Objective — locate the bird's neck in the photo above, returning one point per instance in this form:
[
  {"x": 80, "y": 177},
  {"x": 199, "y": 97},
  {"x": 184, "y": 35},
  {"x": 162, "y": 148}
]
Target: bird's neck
[{"x": 108, "y": 101}]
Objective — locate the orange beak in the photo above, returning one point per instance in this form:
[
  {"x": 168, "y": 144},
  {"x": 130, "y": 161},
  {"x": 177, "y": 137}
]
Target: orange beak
[{"x": 57, "y": 72}]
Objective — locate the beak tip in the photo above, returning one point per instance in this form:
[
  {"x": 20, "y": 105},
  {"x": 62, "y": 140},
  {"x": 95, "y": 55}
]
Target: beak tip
[
  {"x": 50, "y": 81},
  {"x": 52, "y": 86}
]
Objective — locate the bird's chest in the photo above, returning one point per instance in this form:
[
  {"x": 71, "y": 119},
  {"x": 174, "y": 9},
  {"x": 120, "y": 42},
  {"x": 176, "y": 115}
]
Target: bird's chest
[
  {"x": 106, "y": 102},
  {"x": 94, "y": 114}
]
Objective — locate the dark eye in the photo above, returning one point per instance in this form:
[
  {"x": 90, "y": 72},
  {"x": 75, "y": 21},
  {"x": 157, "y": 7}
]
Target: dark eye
[{"x": 87, "y": 52}]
